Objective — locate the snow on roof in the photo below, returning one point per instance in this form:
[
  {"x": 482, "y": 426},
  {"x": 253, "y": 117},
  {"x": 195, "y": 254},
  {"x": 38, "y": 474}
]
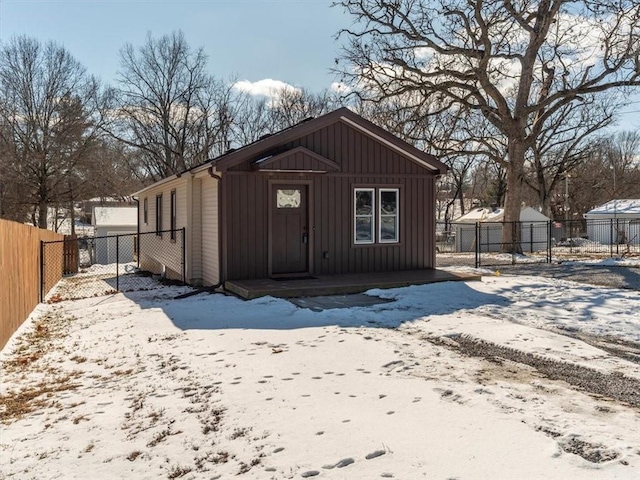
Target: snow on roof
[
  {"x": 628, "y": 206},
  {"x": 485, "y": 214},
  {"x": 482, "y": 214},
  {"x": 115, "y": 216}
]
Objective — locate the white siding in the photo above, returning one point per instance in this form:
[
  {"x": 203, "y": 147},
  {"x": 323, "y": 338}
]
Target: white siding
[
  {"x": 194, "y": 245},
  {"x": 210, "y": 224},
  {"x": 158, "y": 251}
]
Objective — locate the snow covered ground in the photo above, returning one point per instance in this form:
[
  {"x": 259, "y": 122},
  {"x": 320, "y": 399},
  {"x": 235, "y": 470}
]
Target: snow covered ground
[{"x": 511, "y": 377}]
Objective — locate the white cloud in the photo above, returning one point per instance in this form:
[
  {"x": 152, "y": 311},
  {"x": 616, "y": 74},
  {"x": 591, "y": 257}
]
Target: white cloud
[
  {"x": 341, "y": 88},
  {"x": 267, "y": 87}
]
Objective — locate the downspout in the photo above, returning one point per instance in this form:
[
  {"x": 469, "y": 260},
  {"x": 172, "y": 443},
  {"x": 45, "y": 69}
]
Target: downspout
[{"x": 220, "y": 227}]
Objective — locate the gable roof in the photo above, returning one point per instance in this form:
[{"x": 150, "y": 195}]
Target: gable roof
[
  {"x": 485, "y": 214},
  {"x": 264, "y": 144},
  {"x": 344, "y": 115},
  {"x": 617, "y": 207},
  {"x": 275, "y": 161}
]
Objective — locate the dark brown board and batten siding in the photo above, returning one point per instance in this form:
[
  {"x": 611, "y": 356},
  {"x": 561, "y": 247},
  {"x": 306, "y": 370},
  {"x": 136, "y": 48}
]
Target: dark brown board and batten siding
[{"x": 363, "y": 162}]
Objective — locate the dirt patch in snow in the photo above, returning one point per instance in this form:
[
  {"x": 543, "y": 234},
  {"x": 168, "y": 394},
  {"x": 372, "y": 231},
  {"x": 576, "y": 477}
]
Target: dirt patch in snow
[{"x": 616, "y": 386}]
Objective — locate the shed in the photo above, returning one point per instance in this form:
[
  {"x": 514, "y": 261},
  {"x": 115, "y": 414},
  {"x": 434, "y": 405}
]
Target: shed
[
  {"x": 617, "y": 221},
  {"x": 533, "y": 226},
  {"x": 109, "y": 222},
  {"x": 331, "y": 195}
]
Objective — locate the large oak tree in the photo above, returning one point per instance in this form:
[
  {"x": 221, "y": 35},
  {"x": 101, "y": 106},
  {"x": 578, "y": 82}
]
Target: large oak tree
[{"x": 516, "y": 63}]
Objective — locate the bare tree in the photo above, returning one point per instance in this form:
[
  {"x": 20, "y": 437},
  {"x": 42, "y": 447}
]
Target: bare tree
[
  {"x": 168, "y": 107},
  {"x": 565, "y": 142},
  {"x": 255, "y": 117},
  {"x": 611, "y": 171},
  {"x": 48, "y": 109},
  {"x": 515, "y": 62}
]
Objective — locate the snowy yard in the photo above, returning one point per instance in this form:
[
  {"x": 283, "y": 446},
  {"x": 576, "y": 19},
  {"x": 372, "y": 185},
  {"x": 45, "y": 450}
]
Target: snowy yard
[{"x": 512, "y": 377}]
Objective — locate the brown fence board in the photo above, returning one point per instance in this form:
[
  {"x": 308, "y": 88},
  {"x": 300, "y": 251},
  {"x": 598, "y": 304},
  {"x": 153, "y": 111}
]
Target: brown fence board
[{"x": 20, "y": 273}]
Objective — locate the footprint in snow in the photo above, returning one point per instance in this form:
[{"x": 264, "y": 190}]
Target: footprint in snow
[
  {"x": 376, "y": 454},
  {"x": 310, "y": 473},
  {"x": 345, "y": 462}
]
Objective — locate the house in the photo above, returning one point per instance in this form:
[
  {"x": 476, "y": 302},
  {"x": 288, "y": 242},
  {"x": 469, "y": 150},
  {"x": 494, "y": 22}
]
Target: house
[
  {"x": 109, "y": 222},
  {"x": 534, "y": 230},
  {"x": 617, "y": 221},
  {"x": 331, "y": 195}
]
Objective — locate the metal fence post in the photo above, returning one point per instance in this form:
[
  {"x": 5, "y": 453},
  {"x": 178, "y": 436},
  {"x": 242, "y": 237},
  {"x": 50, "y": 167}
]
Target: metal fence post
[
  {"x": 531, "y": 238},
  {"x": 118, "y": 262},
  {"x": 477, "y": 242},
  {"x": 611, "y": 237},
  {"x": 549, "y": 241},
  {"x": 184, "y": 256},
  {"x": 617, "y": 236},
  {"x": 41, "y": 271}
]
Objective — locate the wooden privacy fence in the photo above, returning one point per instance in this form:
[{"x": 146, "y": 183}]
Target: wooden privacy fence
[{"x": 20, "y": 273}]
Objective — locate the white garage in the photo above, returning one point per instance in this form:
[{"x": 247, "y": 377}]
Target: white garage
[
  {"x": 534, "y": 230},
  {"x": 110, "y": 223},
  {"x": 617, "y": 221}
]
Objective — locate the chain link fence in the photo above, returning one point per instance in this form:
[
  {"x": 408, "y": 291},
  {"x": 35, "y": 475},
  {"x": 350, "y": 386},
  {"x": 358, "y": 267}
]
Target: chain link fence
[
  {"x": 481, "y": 243},
  {"x": 95, "y": 266}
]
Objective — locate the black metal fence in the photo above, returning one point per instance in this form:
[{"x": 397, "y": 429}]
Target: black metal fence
[
  {"x": 94, "y": 266},
  {"x": 481, "y": 243}
]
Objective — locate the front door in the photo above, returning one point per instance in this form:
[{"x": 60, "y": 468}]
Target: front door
[{"x": 290, "y": 233}]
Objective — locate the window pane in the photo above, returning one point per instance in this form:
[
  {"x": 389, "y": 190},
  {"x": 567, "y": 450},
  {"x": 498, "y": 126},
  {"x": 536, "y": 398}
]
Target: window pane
[
  {"x": 388, "y": 202},
  {"x": 288, "y": 198},
  {"x": 364, "y": 229},
  {"x": 388, "y": 228},
  {"x": 364, "y": 202}
]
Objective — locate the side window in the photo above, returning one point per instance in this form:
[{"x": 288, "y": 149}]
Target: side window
[
  {"x": 364, "y": 221},
  {"x": 145, "y": 211},
  {"x": 159, "y": 214},
  {"x": 173, "y": 214},
  {"x": 376, "y": 215},
  {"x": 388, "y": 215}
]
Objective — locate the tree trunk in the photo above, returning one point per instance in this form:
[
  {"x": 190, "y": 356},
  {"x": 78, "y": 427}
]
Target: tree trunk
[
  {"x": 513, "y": 202},
  {"x": 42, "y": 214}
]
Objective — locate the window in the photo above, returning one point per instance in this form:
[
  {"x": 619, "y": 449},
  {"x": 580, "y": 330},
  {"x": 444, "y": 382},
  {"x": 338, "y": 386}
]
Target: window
[
  {"x": 145, "y": 211},
  {"x": 159, "y": 214},
  {"x": 382, "y": 208},
  {"x": 364, "y": 220},
  {"x": 288, "y": 198},
  {"x": 173, "y": 214},
  {"x": 388, "y": 215}
]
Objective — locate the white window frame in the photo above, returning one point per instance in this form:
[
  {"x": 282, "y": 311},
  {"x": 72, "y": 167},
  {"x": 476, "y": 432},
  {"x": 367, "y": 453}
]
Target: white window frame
[
  {"x": 372, "y": 215},
  {"x": 396, "y": 215}
]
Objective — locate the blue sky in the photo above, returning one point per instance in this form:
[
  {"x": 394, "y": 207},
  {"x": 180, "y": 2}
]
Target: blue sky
[
  {"x": 288, "y": 40},
  {"x": 285, "y": 40}
]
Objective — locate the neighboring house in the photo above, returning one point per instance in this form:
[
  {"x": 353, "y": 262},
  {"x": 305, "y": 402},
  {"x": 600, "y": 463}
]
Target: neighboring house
[
  {"x": 534, "y": 230},
  {"x": 109, "y": 222},
  {"x": 617, "y": 221},
  {"x": 330, "y": 195}
]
